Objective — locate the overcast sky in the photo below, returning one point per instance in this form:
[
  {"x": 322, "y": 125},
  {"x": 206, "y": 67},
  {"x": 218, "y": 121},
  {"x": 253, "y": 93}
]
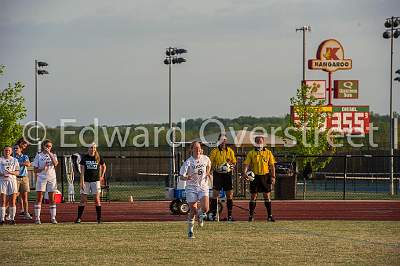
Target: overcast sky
[{"x": 245, "y": 57}]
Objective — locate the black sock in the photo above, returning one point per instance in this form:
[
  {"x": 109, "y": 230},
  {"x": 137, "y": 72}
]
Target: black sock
[
  {"x": 214, "y": 206},
  {"x": 229, "y": 205},
  {"x": 267, "y": 204},
  {"x": 252, "y": 206},
  {"x": 80, "y": 211},
  {"x": 98, "y": 212}
]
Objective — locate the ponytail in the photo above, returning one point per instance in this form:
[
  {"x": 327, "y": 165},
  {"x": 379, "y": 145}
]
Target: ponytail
[{"x": 97, "y": 156}]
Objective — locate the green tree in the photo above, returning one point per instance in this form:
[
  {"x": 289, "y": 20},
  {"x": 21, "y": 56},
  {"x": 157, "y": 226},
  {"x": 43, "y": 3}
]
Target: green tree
[
  {"x": 311, "y": 136},
  {"x": 12, "y": 109}
]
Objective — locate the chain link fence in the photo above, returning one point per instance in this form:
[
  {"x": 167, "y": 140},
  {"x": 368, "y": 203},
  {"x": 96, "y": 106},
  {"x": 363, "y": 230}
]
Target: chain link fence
[{"x": 353, "y": 176}]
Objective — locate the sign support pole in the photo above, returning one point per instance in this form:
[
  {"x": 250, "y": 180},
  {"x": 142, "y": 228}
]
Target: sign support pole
[{"x": 330, "y": 88}]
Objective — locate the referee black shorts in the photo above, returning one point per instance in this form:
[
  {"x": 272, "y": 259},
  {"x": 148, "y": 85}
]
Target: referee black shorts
[
  {"x": 261, "y": 183},
  {"x": 222, "y": 181}
]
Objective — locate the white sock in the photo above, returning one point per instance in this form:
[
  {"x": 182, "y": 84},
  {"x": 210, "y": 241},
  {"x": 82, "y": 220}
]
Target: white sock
[
  {"x": 12, "y": 211},
  {"x": 37, "y": 208},
  {"x": 2, "y": 213},
  {"x": 191, "y": 225},
  {"x": 53, "y": 211}
]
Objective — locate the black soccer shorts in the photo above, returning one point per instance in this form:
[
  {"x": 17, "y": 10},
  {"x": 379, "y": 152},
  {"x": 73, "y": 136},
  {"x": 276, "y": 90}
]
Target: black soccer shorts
[
  {"x": 222, "y": 181},
  {"x": 261, "y": 183}
]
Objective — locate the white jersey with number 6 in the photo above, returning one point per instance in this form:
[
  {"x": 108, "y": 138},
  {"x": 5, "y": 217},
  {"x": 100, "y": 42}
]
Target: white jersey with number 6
[{"x": 196, "y": 170}]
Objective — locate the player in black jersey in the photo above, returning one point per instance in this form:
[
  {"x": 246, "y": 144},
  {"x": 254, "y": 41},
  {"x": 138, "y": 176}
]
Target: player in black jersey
[{"x": 93, "y": 169}]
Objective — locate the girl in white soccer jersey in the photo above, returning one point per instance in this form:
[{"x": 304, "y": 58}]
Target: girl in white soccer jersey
[
  {"x": 9, "y": 169},
  {"x": 196, "y": 170},
  {"x": 44, "y": 165}
]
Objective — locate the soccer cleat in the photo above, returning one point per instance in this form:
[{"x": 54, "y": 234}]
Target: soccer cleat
[
  {"x": 270, "y": 219},
  {"x": 1, "y": 222},
  {"x": 214, "y": 218},
  {"x": 78, "y": 221},
  {"x": 38, "y": 221},
  {"x": 251, "y": 218},
  {"x": 99, "y": 221},
  {"x": 190, "y": 235},
  {"x": 202, "y": 217},
  {"x": 54, "y": 221},
  {"x": 27, "y": 216},
  {"x": 230, "y": 219},
  {"x": 12, "y": 222}
]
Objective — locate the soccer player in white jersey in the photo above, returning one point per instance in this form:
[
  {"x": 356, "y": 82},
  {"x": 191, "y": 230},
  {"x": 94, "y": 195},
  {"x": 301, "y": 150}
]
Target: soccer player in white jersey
[
  {"x": 196, "y": 170},
  {"x": 9, "y": 169},
  {"x": 44, "y": 165}
]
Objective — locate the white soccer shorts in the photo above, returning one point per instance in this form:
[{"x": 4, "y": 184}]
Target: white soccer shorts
[
  {"x": 8, "y": 186},
  {"x": 46, "y": 185},
  {"x": 195, "y": 196}
]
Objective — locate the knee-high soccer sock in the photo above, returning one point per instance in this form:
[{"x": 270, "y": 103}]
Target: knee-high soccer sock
[
  {"x": 37, "y": 208},
  {"x": 252, "y": 206},
  {"x": 53, "y": 211},
  {"x": 80, "y": 210},
  {"x": 98, "y": 212},
  {"x": 190, "y": 224},
  {"x": 12, "y": 211},
  {"x": 229, "y": 206},
  {"x": 214, "y": 206},
  {"x": 268, "y": 206},
  {"x": 2, "y": 213}
]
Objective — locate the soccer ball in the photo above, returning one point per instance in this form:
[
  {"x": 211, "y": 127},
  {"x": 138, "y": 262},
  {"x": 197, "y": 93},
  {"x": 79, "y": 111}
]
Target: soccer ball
[
  {"x": 225, "y": 168},
  {"x": 251, "y": 175}
]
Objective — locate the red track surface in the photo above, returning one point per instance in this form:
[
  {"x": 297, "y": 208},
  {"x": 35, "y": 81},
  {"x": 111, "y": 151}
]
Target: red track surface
[{"x": 282, "y": 210}]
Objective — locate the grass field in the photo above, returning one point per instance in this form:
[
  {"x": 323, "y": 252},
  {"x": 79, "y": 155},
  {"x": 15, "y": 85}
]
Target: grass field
[{"x": 259, "y": 243}]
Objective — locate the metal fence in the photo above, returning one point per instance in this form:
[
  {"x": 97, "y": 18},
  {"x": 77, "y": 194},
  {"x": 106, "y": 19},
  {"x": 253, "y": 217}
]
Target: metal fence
[
  {"x": 139, "y": 177},
  {"x": 345, "y": 177},
  {"x": 145, "y": 177},
  {"x": 352, "y": 177}
]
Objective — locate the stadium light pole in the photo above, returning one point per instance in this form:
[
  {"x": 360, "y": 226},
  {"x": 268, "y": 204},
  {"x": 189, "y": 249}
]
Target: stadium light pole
[
  {"x": 39, "y": 65},
  {"x": 172, "y": 57},
  {"x": 392, "y": 32},
  {"x": 395, "y": 122},
  {"x": 304, "y": 29}
]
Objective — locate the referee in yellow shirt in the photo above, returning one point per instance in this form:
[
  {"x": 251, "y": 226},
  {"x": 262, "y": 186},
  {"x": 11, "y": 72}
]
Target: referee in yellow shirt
[
  {"x": 262, "y": 163},
  {"x": 220, "y": 157}
]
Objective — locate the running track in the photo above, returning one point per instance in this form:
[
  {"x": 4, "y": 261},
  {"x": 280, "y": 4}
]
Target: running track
[{"x": 282, "y": 210}]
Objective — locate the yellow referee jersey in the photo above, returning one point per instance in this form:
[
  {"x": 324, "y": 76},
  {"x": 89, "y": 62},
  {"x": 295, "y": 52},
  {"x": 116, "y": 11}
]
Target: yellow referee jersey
[
  {"x": 220, "y": 156},
  {"x": 259, "y": 161}
]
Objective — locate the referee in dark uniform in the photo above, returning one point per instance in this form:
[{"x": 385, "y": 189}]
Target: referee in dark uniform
[
  {"x": 262, "y": 163},
  {"x": 222, "y": 174}
]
